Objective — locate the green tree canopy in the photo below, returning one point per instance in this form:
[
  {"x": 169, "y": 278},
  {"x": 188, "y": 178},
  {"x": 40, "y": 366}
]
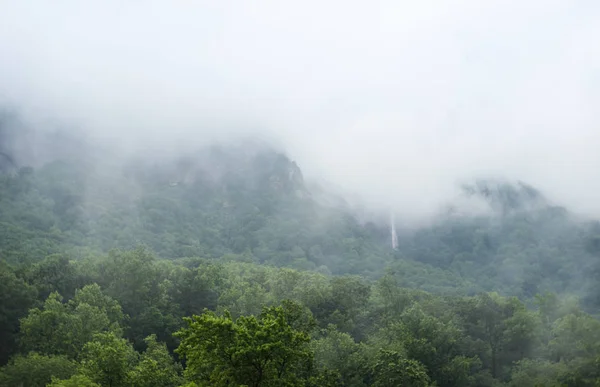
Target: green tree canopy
[
  {"x": 63, "y": 328},
  {"x": 253, "y": 351},
  {"x": 35, "y": 370}
]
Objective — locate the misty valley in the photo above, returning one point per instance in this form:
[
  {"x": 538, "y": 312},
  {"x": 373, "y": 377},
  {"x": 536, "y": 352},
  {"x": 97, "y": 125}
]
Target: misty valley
[{"x": 224, "y": 267}]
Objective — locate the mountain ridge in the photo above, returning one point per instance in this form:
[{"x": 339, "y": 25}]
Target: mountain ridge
[{"x": 249, "y": 201}]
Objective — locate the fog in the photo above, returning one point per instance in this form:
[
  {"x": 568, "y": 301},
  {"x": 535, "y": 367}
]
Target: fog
[{"x": 395, "y": 101}]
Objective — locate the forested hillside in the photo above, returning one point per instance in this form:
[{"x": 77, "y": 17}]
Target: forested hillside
[{"x": 220, "y": 267}]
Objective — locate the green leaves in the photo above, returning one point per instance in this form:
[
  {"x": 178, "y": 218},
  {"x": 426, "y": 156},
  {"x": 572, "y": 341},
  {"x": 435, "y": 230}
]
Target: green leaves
[
  {"x": 16, "y": 297},
  {"x": 543, "y": 373},
  {"x": 255, "y": 351},
  {"x": 575, "y": 336},
  {"x": 35, "y": 370},
  {"x": 394, "y": 369},
  {"x": 74, "y": 381},
  {"x": 337, "y": 351},
  {"x": 63, "y": 328},
  {"x": 107, "y": 359},
  {"x": 156, "y": 367}
]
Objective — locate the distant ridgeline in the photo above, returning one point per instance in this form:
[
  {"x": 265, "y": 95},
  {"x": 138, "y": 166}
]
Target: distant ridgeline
[
  {"x": 506, "y": 197},
  {"x": 248, "y": 202}
]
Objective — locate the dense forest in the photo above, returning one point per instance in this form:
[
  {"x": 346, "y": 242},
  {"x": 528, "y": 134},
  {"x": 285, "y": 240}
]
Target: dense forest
[{"x": 222, "y": 268}]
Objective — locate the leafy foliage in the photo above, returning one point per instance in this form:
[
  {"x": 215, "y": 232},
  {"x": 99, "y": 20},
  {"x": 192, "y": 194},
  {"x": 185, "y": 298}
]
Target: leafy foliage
[
  {"x": 223, "y": 269},
  {"x": 16, "y": 296},
  {"x": 63, "y": 328},
  {"x": 257, "y": 351},
  {"x": 36, "y": 370}
]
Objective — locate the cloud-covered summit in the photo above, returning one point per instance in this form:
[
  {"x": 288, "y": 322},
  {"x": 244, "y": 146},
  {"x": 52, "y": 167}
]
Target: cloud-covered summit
[{"x": 395, "y": 100}]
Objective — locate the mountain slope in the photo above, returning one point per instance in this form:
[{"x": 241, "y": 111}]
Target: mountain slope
[{"x": 248, "y": 202}]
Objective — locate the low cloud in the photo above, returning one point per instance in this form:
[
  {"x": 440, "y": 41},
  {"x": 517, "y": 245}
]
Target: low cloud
[{"x": 396, "y": 101}]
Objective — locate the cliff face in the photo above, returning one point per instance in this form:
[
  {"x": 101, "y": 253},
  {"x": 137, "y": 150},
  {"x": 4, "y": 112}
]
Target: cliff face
[
  {"x": 285, "y": 177},
  {"x": 247, "y": 167}
]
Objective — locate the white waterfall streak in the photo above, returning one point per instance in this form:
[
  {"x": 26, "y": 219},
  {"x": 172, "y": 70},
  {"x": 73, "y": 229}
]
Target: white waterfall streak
[{"x": 393, "y": 231}]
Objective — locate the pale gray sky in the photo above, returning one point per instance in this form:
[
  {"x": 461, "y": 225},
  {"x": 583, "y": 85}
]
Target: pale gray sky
[{"x": 394, "y": 100}]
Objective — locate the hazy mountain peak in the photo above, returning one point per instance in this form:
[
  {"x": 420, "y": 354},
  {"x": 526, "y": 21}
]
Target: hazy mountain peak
[{"x": 503, "y": 195}]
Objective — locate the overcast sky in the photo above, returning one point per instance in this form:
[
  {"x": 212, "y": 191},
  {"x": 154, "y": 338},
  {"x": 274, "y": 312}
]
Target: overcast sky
[{"x": 391, "y": 99}]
